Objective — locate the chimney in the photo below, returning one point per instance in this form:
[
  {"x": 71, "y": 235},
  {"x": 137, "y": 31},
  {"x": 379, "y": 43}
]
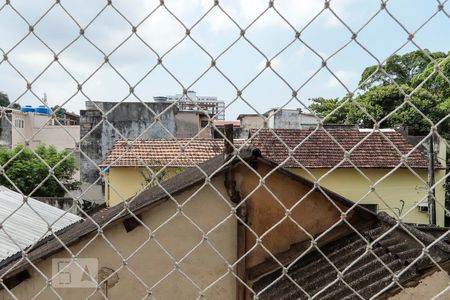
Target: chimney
[{"x": 228, "y": 142}]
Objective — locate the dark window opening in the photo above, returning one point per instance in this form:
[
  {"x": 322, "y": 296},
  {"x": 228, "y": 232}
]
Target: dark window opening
[
  {"x": 17, "y": 279},
  {"x": 131, "y": 223}
]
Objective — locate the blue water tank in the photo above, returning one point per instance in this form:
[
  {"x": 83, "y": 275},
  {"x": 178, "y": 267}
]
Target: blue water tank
[
  {"x": 42, "y": 109},
  {"x": 27, "y": 108}
]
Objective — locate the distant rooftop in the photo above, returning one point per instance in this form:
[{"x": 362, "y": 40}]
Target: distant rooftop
[
  {"x": 326, "y": 149},
  {"x": 161, "y": 152},
  {"x": 21, "y": 222}
]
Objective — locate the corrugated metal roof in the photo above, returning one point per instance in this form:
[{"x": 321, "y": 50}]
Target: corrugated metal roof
[{"x": 25, "y": 223}]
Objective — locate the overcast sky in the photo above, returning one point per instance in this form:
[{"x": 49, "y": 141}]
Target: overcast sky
[{"x": 214, "y": 33}]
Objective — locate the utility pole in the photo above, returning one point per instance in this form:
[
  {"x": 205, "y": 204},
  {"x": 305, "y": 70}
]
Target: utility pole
[{"x": 431, "y": 192}]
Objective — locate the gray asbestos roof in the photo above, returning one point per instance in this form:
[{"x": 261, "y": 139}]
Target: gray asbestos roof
[
  {"x": 23, "y": 224},
  {"x": 371, "y": 273}
]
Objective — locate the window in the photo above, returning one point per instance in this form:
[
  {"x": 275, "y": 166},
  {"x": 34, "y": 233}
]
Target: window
[{"x": 19, "y": 123}]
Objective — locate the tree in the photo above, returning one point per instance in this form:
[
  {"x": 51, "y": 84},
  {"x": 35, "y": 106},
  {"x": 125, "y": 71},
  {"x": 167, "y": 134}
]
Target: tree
[
  {"x": 381, "y": 95},
  {"x": 59, "y": 111},
  {"x": 164, "y": 173},
  {"x": 4, "y": 101},
  {"x": 324, "y": 107},
  {"x": 399, "y": 68},
  {"x": 27, "y": 171},
  {"x": 381, "y": 100}
]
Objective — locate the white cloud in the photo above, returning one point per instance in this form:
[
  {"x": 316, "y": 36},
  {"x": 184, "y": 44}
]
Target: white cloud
[
  {"x": 296, "y": 12},
  {"x": 347, "y": 77}
]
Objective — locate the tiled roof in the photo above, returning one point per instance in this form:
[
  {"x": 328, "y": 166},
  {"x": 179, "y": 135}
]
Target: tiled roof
[
  {"x": 367, "y": 276},
  {"x": 319, "y": 150},
  {"x": 161, "y": 152}
]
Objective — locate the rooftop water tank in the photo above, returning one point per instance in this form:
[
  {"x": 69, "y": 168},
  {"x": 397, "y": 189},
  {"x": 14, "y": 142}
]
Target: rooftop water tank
[
  {"x": 42, "y": 109},
  {"x": 159, "y": 99},
  {"x": 27, "y": 108}
]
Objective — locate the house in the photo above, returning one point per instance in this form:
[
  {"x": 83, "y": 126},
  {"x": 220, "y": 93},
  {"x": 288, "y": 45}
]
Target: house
[
  {"x": 284, "y": 118},
  {"x": 235, "y": 228},
  {"x": 279, "y": 118},
  {"x": 129, "y": 165},
  {"x": 251, "y": 120},
  {"x": 70, "y": 118},
  {"x": 193, "y": 102},
  {"x": 380, "y": 170},
  {"x": 36, "y": 126},
  {"x": 102, "y": 123},
  {"x": 25, "y": 221},
  {"x": 218, "y": 131}
]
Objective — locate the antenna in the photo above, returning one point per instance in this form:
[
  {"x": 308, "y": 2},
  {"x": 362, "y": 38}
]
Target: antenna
[{"x": 44, "y": 99}]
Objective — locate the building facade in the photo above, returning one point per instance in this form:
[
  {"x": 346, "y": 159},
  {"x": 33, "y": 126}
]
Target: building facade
[
  {"x": 191, "y": 101},
  {"x": 290, "y": 119},
  {"x": 128, "y": 120},
  {"x": 236, "y": 248},
  {"x": 373, "y": 174},
  {"x": 18, "y": 127},
  {"x": 131, "y": 169}
]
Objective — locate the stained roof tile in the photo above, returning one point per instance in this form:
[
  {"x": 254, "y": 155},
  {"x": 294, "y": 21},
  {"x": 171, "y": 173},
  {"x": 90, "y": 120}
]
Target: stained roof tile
[
  {"x": 162, "y": 152},
  {"x": 326, "y": 149}
]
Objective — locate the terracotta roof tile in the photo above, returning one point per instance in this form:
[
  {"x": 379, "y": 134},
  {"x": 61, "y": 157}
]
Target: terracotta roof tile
[
  {"x": 319, "y": 150},
  {"x": 161, "y": 152}
]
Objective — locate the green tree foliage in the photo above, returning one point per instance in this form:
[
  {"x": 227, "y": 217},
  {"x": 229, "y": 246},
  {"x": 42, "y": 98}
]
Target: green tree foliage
[
  {"x": 59, "y": 111},
  {"x": 326, "y": 108},
  {"x": 381, "y": 95},
  {"x": 381, "y": 100},
  {"x": 27, "y": 171},
  {"x": 163, "y": 174},
  {"x": 4, "y": 101},
  {"x": 399, "y": 68}
]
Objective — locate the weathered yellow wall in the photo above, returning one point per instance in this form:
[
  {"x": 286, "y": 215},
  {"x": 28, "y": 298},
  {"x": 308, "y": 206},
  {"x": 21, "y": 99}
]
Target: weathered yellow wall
[
  {"x": 151, "y": 263},
  {"x": 400, "y": 185},
  {"x": 428, "y": 288},
  {"x": 122, "y": 183},
  {"x": 266, "y": 212}
]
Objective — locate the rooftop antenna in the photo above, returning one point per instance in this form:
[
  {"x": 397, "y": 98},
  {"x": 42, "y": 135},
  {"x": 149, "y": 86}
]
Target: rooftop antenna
[{"x": 44, "y": 99}]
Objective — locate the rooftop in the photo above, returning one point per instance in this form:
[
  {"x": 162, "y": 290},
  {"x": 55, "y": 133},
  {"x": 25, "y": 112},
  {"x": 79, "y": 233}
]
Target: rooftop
[
  {"x": 223, "y": 123},
  {"x": 25, "y": 223},
  {"x": 367, "y": 274},
  {"x": 399, "y": 249},
  {"x": 317, "y": 148},
  {"x": 161, "y": 152}
]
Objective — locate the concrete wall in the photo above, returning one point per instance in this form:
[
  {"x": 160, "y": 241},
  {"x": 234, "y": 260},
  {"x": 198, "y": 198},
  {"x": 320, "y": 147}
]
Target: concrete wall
[
  {"x": 290, "y": 119},
  {"x": 122, "y": 183},
  {"x": 400, "y": 185},
  {"x": 428, "y": 288},
  {"x": 187, "y": 124},
  {"x": 64, "y": 203},
  {"x": 252, "y": 121},
  {"x": 178, "y": 237},
  {"x": 130, "y": 120},
  {"x": 62, "y": 137},
  {"x": 5, "y": 131}
]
